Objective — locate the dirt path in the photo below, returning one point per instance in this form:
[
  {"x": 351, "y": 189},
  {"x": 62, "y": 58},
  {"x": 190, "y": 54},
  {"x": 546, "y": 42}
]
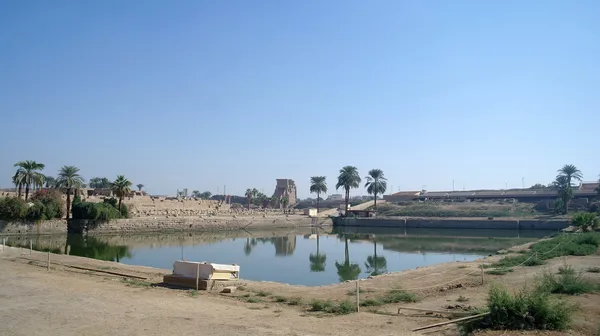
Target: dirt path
[{"x": 37, "y": 302}]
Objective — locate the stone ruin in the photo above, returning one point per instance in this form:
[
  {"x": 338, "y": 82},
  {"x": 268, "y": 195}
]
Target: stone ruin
[{"x": 286, "y": 188}]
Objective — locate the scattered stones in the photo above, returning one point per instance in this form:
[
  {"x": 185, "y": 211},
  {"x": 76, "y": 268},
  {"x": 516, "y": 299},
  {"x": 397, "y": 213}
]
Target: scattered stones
[{"x": 229, "y": 290}]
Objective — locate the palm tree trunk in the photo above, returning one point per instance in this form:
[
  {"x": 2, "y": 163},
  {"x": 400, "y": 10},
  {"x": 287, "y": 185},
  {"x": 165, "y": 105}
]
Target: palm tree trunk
[
  {"x": 120, "y": 200},
  {"x": 346, "y": 251},
  {"x": 317, "y": 244},
  {"x": 68, "y": 202},
  {"x": 26, "y": 191},
  {"x": 318, "y": 196},
  {"x": 375, "y": 200},
  {"x": 347, "y": 198},
  {"x": 20, "y": 192}
]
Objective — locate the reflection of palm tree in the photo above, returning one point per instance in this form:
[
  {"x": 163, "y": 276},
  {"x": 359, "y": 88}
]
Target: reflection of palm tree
[
  {"x": 375, "y": 264},
  {"x": 317, "y": 261},
  {"x": 284, "y": 245},
  {"x": 347, "y": 271},
  {"x": 91, "y": 247},
  {"x": 250, "y": 243}
]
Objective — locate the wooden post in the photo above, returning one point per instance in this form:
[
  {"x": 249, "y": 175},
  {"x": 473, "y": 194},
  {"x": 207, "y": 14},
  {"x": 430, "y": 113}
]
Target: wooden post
[
  {"x": 197, "y": 275},
  {"x": 30, "y": 246},
  {"x": 68, "y": 249},
  {"x": 48, "y": 264},
  {"x": 482, "y": 280},
  {"x": 357, "y": 296}
]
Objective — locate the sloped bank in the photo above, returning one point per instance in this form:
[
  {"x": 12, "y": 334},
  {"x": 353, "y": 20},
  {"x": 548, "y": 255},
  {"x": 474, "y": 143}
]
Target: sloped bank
[
  {"x": 133, "y": 225},
  {"x": 452, "y": 223}
]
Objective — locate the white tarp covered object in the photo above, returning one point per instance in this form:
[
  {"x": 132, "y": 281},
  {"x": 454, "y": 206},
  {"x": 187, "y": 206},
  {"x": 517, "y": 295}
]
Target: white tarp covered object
[{"x": 207, "y": 271}]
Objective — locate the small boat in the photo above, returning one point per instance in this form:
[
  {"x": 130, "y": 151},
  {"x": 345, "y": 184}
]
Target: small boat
[{"x": 186, "y": 272}]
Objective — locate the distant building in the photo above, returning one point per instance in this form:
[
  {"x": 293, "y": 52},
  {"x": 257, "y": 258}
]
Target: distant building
[{"x": 335, "y": 197}]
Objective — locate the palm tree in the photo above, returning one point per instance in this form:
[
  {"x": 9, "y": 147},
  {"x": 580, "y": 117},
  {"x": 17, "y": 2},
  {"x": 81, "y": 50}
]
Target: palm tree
[
  {"x": 29, "y": 174},
  {"x": 318, "y": 185},
  {"x": 376, "y": 184},
  {"x": 586, "y": 221},
  {"x": 50, "y": 182},
  {"x": 69, "y": 179},
  {"x": 348, "y": 179},
  {"x": 375, "y": 264},
  {"x": 347, "y": 271},
  {"x": 317, "y": 261},
  {"x": 285, "y": 201},
  {"x": 196, "y": 194},
  {"x": 206, "y": 195},
  {"x": 17, "y": 180},
  {"x": 249, "y": 195},
  {"x": 140, "y": 186},
  {"x": 121, "y": 187},
  {"x": 571, "y": 173}
]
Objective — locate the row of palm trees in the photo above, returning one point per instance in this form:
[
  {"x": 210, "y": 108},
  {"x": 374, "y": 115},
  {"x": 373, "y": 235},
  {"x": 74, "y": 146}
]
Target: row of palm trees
[
  {"x": 29, "y": 175},
  {"x": 348, "y": 179}
]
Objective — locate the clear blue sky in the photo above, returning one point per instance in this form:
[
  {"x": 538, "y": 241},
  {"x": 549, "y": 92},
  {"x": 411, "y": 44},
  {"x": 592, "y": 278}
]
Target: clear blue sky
[{"x": 199, "y": 94}]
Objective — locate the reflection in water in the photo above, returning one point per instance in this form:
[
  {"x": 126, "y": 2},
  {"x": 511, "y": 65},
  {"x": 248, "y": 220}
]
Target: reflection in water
[
  {"x": 347, "y": 270},
  {"x": 376, "y": 264},
  {"x": 317, "y": 261},
  {"x": 286, "y": 257},
  {"x": 90, "y": 247}
]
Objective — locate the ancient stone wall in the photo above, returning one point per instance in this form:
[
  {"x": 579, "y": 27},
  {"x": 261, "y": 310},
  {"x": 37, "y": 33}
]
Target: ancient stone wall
[
  {"x": 55, "y": 226},
  {"x": 186, "y": 224}
]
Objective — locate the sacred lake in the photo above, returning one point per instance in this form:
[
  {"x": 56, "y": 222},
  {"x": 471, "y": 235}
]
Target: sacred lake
[{"x": 304, "y": 256}]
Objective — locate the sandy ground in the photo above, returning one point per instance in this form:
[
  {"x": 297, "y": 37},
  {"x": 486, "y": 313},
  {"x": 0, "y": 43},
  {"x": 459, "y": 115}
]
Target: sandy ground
[{"x": 68, "y": 301}]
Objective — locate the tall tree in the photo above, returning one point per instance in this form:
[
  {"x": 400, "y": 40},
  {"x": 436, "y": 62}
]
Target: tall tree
[
  {"x": 121, "y": 187},
  {"x": 205, "y": 195},
  {"x": 140, "y": 186},
  {"x": 348, "y": 179},
  {"x": 50, "y": 182},
  {"x": 100, "y": 182},
  {"x": 318, "y": 185},
  {"x": 376, "y": 184},
  {"x": 17, "y": 180},
  {"x": 249, "y": 195},
  {"x": 69, "y": 179},
  {"x": 570, "y": 172},
  {"x": 29, "y": 174}
]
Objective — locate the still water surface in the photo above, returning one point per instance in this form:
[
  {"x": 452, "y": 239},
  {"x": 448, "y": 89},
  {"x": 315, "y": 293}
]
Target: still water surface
[{"x": 308, "y": 258}]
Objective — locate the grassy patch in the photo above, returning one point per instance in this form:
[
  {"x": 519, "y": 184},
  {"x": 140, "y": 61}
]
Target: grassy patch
[
  {"x": 341, "y": 308},
  {"x": 526, "y": 309},
  {"x": 247, "y": 295},
  {"x": 136, "y": 282},
  {"x": 253, "y": 300},
  {"x": 294, "y": 301},
  {"x": 393, "y": 296},
  {"x": 463, "y": 266},
  {"x": 280, "y": 299},
  {"x": 566, "y": 269},
  {"x": 352, "y": 292},
  {"x": 569, "y": 283},
  {"x": 499, "y": 271},
  {"x": 559, "y": 246},
  {"x": 593, "y": 269},
  {"x": 193, "y": 293},
  {"x": 263, "y": 293}
]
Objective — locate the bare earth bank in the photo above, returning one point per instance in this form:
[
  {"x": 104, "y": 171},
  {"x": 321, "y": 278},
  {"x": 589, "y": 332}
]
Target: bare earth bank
[{"x": 68, "y": 301}]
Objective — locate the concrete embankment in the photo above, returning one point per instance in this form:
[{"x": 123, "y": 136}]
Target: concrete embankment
[
  {"x": 132, "y": 225},
  {"x": 443, "y": 223}
]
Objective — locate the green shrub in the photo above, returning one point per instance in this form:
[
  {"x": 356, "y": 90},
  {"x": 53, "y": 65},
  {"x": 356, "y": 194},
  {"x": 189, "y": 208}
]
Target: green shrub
[
  {"x": 36, "y": 211},
  {"x": 12, "y": 208},
  {"x": 499, "y": 271},
  {"x": 295, "y": 301},
  {"x": 593, "y": 269},
  {"x": 569, "y": 283},
  {"x": 95, "y": 211},
  {"x": 320, "y": 305},
  {"x": 399, "y": 295},
  {"x": 566, "y": 269},
  {"x": 524, "y": 310},
  {"x": 52, "y": 201}
]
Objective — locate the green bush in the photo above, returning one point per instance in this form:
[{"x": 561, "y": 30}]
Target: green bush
[
  {"x": 52, "y": 201},
  {"x": 95, "y": 211},
  {"x": 568, "y": 282},
  {"x": 12, "y": 208},
  {"x": 36, "y": 211},
  {"x": 524, "y": 310}
]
